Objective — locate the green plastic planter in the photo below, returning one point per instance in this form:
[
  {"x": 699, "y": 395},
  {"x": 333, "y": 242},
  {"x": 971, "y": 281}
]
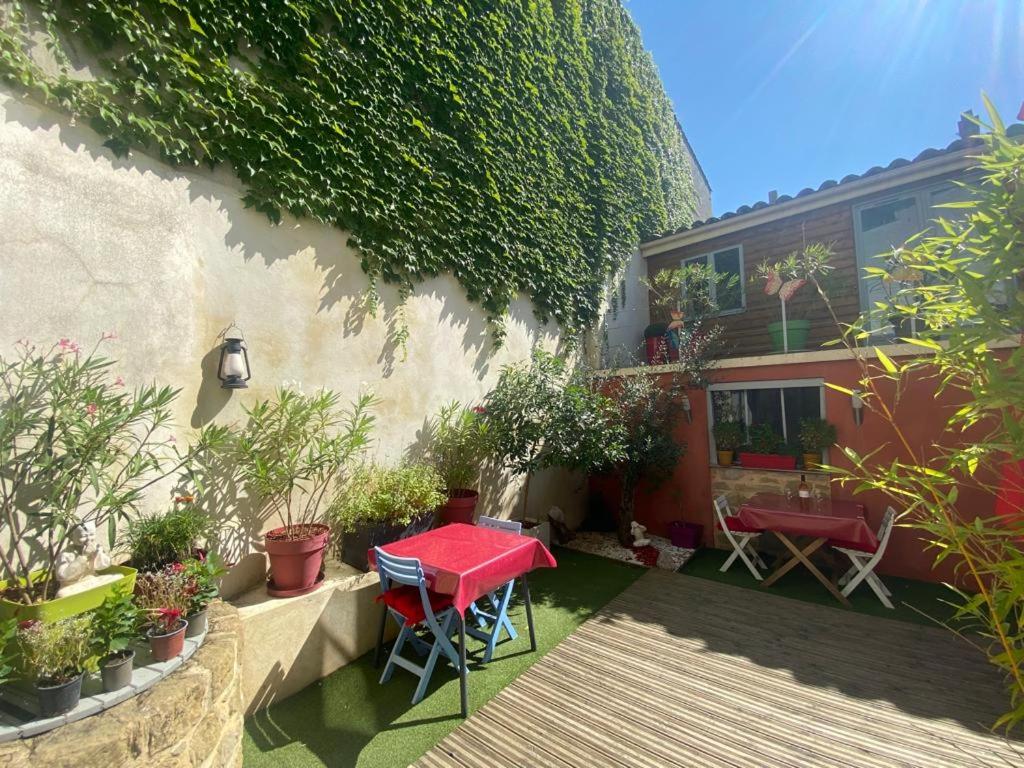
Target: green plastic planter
[
  {"x": 797, "y": 331},
  {"x": 65, "y": 607}
]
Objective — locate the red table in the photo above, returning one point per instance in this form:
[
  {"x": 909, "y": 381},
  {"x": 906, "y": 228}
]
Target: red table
[
  {"x": 820, "y": 519},
  {"x": 467, "y": 562}
]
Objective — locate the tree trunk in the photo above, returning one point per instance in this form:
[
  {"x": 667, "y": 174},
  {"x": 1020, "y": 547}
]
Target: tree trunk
[
  {"x": 627, "y": 505},
  {"x": 526, "y": 495}
]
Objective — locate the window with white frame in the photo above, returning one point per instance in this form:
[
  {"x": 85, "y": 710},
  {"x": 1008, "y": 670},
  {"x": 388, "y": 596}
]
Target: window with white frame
[
  {"x": 782, "y": 405},
  {"x": 726, "y": 291}
]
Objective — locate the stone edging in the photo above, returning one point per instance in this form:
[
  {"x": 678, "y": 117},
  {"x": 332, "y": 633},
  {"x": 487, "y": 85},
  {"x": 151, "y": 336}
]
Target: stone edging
[{"x": 192, "y": 718}]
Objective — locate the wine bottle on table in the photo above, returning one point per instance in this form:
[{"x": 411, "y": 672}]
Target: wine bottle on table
[{"x": 804, "y": 493}]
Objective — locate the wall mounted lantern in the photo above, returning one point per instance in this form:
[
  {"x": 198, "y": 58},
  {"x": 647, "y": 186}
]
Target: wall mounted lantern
[
  {"x": 233, "y": 370},
  {"x": 857, "y": 401},
  {"x": 687, "y": 408}
]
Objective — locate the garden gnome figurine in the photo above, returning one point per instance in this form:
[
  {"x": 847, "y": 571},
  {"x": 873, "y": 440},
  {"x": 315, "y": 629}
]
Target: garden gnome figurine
[
  {"x": 638, "y": 531},
  {"x": 77, "y": 569}
]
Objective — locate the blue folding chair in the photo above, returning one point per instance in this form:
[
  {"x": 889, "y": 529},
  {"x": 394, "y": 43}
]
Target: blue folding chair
[
  {"x": 491, "y": 623},
  {"x": 404, "y": 591}
]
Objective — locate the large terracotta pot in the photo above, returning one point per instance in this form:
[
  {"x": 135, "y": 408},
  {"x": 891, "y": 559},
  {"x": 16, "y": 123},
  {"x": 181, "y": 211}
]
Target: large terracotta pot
[
  {"x": 460, "y": 506},
  {"x": 296, "y": 558}
]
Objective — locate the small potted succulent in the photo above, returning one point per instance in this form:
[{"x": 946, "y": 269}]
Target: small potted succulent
[
  {"x": 816, "y": 435},
  {"x": 56, "y": 655},
  {"x": 382, "y": 504},
  {"x": 115, "y": 624},
  {"x": 163, "y": 595},
  {"x": 766, "y": 450},
  {"x": 728, "y": 437},
  {"x": 201, "y": 575},
  {"x": 457, "y": 448}
]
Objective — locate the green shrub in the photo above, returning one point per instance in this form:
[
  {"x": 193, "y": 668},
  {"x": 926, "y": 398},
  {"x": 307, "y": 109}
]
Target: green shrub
[
  {"x": 115, "y": 623},
  {"x": 393, "y": 495},
  {"x": 201, "y": 577},
  {"x": 168, "y": 538},
  {"x": 57, "y": 652},
  {"x": 816, "y": 435},
  {"x": 764, "y": 439},
  {"x": 458, "y": 446},
  {"x": 728, "y": 435}
]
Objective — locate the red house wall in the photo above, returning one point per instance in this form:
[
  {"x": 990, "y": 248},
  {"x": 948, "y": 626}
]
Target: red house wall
[{"x": 922, "y": 414}]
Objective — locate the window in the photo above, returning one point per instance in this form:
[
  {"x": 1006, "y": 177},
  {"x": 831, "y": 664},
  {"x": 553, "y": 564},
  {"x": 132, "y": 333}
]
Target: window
[
  {"x": 727, "y": 291},
  {"x": 782, "y": 405}
]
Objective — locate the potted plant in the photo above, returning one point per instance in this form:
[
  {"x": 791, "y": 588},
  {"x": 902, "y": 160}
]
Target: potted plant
[
  {"x": 815, "y": 436},
  {"x": 682, "y": 298},
  {"x": 79, "y": 449},
  {"x": 766, "y": 450},
  {"x": 728, "y": 437},
  {"x": 115, "y": 624},
  {"x": 163, "y": 596},
  {"x": 381, "y": 504},
  {"x": 156, "y": 541},
  {"x": 784, "y": 278},
  {"x": 457, "y": 447},
  {"x": 201, "y": 575},
  {"x": 56, "y": 655},
  {"x": 292, "y": 455}
]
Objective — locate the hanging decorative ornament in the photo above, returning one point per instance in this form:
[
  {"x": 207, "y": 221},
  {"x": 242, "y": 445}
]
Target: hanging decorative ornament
[
  {"x": 773, "y": 283},
  {"x": 789, "y": 288}
]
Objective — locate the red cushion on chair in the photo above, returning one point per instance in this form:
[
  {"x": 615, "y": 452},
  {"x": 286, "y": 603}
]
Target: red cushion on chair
[
  {"x": 406, "y": 600},
  {"x": 869, "y": 550},
  {"x": 736, "y": 526}
]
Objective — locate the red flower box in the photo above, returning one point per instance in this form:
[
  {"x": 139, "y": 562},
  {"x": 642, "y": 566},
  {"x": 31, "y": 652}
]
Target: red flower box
[{"x": 767, "y": 461}]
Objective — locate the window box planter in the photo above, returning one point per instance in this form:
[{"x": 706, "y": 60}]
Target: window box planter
[
  {"x": 72, "y": 605},
  {"x": 356, "y": 544},
  {"x": 767, "y": 461}
]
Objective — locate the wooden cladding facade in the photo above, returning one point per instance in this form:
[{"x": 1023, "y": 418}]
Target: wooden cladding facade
[{"x": 746, "y": 332}]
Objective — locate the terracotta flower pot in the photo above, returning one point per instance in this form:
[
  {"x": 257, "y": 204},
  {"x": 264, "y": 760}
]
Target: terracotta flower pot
[
  {"x": 724, "y": 458},
  {"x": 166, "y": 646},
  {"x": 296, "y": 557},
  {"x": 57, "y": 699},
  {"x": 460, "y": 506}
]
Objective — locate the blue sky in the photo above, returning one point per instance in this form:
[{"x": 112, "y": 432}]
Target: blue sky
[{"x": 781, "y": 94}]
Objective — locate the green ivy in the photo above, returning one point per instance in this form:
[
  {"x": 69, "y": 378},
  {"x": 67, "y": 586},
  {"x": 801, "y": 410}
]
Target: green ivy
[{"x": 522, "y": 145}]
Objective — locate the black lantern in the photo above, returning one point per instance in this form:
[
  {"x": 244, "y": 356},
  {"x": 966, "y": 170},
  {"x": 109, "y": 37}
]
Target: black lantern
[{"x": 233, "y": 370}]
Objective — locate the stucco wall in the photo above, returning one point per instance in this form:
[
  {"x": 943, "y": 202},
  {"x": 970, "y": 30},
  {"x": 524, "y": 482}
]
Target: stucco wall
[{"x": 167, "y": 259}]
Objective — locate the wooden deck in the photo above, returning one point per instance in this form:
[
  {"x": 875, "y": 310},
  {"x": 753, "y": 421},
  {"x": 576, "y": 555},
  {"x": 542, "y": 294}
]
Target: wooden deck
[{"x": 680, "y": 671}]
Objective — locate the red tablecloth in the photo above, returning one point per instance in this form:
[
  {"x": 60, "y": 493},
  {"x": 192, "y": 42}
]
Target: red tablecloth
[
  {"x": 467, "y": 562},
  {"x": 822, "y": 518}
]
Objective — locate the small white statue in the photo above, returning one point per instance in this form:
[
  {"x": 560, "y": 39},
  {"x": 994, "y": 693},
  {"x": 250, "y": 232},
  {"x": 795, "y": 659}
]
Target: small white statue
[
  {"x": 76, "y": 569},
  {"x": 638, "y": 531}
]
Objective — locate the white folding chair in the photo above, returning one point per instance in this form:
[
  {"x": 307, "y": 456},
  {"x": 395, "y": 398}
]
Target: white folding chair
[
  {"x": 739, "y": 536},
  {"x": 863, "y": 568}
]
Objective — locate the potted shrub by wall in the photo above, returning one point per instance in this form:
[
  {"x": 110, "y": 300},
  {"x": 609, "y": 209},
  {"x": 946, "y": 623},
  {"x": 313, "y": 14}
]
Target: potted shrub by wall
[
  {"x": 115, "y": 624},
  {"x": 728, "y": 437},
  {"x": 766, "y": 446},
  {"x": 815, "y": 436},
  {"x": 292, "y": 456},
  {"x": 381, "y": 504},
  {"x": 56, "y": 655},
  {"x": 79, "y": 450},
  {"x": 784, "y": 278},
  {"x": 457, "y": 448},
  {"x": 156, "y": 541},
  {"x": 163, "y": 596},
  {"x": 201, "y": 576}
]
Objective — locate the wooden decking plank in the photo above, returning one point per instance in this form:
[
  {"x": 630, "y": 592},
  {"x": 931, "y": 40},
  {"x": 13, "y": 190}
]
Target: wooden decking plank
[{"x": 666, "y": 675}]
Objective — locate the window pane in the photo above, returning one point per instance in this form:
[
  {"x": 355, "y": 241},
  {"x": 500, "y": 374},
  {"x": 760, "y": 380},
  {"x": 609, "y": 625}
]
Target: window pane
[
  {"x": 727, "y": 406},
  {"x": 729, "y": 288},
  {"x": 765, "y": 408},
  {"x": 895, "y": 212},
  {"x": 801, "y": 403}
]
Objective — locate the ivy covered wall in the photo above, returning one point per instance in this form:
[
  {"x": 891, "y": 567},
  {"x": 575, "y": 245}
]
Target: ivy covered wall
[{"x": 522, "y": 145}]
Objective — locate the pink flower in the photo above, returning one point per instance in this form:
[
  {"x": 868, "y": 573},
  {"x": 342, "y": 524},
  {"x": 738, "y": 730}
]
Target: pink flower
[
  {"x": 67, "y": 346},
  {"x": 176, "y": 567},
  {"x": 28, "y": 623},
  {"x": 108, "y": 335},
  {"x": 479, "y": 410},
  {"x": 119, "y": 382},
  {"x": 91, "y": 409}
]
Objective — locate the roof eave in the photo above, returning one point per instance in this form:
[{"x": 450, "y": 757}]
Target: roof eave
[{"x": 867, "y": 185}]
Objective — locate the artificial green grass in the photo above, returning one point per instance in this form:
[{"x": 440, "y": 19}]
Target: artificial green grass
[
  {"x": 348, "y": 719},
  {"x": 919, "y": 602}
]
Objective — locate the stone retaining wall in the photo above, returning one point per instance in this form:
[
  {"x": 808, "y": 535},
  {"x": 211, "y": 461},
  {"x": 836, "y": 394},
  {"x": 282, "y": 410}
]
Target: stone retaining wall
[{"x": 193, "y": 718}]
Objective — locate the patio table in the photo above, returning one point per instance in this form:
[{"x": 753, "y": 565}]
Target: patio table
[
  {"x": 468, "y": 562},
  {"x": 821, "y": 520}
]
